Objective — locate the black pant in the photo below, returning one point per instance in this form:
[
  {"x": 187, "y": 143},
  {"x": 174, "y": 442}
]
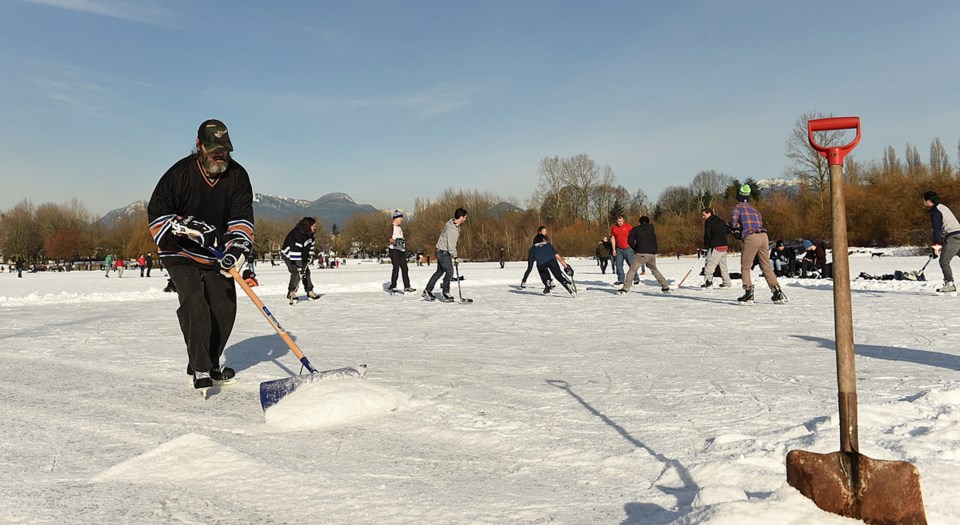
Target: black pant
[
  {"x": 398, "y": 259},
  {"x": 603, "y": 264},
  {"x": 208, "y": 309},
  {"x": 551, "y": 266},
  {"x": 296, "y": 274},
  {"x": 445, "y": 269}
]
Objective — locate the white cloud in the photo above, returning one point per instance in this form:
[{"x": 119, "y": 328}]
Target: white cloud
[{"x": 133, "y": 10}]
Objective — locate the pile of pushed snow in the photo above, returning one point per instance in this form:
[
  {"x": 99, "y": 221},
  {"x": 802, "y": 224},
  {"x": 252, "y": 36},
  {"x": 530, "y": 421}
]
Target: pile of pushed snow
[
  {"x": 187, "y": 458},
  {"x": 329, "y": 403}
]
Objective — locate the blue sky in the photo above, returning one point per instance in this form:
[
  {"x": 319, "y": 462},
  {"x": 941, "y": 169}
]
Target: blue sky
[{"x": 392, "y": 100}]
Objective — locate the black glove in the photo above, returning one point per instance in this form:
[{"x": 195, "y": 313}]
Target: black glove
[
  {"x": 568, "y": 270},
  {"x": 305, "y": 272},
  {"x": 236, "y": 255},
  {"x": 196, "y": 230}
]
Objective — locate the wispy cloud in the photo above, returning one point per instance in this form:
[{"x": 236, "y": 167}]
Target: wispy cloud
[
  {"x": 75, "y": 88},
  {"x": 147, "y": 12},
  {"x": 426, "y": 105}
]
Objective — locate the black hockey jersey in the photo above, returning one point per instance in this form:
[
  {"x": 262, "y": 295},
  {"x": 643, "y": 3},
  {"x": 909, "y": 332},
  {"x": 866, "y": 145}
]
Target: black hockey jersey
[{"x": 183, "y": 191}]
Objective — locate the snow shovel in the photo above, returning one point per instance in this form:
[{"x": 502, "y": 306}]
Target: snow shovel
[
  {"x": 271, "y": 392},
  {"x": 847, "y": 482}
]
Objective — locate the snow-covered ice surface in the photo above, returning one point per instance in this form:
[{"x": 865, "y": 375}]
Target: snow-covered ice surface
[{"x": 649, "y": 408}]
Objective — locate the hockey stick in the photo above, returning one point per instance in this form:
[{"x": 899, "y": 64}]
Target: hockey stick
[
  {"x": 456, "y": 269},
  {"x": 695, "y": 263},
  {"x": 930, "y": 258}
]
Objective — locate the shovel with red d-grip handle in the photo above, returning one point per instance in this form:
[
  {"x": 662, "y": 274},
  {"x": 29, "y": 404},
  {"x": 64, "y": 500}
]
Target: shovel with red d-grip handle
[{"x": 847, "y": 482}]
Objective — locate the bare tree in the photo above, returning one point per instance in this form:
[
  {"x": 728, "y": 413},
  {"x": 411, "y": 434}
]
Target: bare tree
[
  {"x": 603, "y": 194},
  {"x": 677, "y": 200},
  {"x": 914, "y": 163},
  {"x": 581, "y": 174},
  {"x": 891, "y": 164},
  {"x": 551, "y": 181},
  {"x": 21, "y": 237},
  {"x": 805, "y": 163},
  {"x": 708, "y": 185},
  {"x": 638, "y": 204},
  {"x": 939, "y": 160}
]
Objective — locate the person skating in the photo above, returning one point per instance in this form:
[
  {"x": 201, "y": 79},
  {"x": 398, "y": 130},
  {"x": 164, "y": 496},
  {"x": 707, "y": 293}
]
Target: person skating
[
  {"x": 20, "y": 267},
  {"x": 946, "y": 237},
  {"x": 149, "y": 262},
  {"x": 142, "y": 264},
  {"x": 108, "y": 265},
  {"x": 398, "y": 255},
  {"x": 549, "y": 261},
  {"x": 748, "y": 221},
  {"x": 715, "y": 244},
  {"x": 204, "y": 202},
  {"x": 446, "y": 253},
  {"x": 531, "y": 260},
  {"x": 603, "y": 253},
  {"x": 296, "y": 253},
  {"x": 619, "y": 233},
  {"x": 643, "y": 243},
  {"x": 119, "y": 265}
]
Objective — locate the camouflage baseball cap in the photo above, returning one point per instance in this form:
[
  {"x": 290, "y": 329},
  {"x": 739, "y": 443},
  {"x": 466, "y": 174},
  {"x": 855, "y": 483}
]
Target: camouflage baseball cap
[{"x": 214, "y": 137}]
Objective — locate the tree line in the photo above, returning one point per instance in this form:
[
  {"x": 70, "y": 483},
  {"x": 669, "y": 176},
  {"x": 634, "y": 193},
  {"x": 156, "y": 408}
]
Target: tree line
[{"x": 578, "y": 199}]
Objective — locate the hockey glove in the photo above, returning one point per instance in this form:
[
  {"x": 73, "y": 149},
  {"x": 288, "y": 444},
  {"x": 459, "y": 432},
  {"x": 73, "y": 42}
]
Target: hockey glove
[
  {"x": 456, "y": 261},
  {"x": 196, "y": 230},
  {"x": 568, "y": 270},
  {"x": 235, "y": 256}
]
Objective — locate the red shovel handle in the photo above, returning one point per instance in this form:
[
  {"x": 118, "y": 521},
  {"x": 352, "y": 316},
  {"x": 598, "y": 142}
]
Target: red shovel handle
[{"x": 834, "y": 154}]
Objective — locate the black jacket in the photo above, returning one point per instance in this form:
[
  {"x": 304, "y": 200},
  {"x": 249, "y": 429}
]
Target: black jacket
[
  {"x": 643, "y": 239},
  {"x": 183, "y": 191},
  {"x": 714, "y": 232},
  {"x": 297, "y": 245},
  {"x": 788, "y": 254}
]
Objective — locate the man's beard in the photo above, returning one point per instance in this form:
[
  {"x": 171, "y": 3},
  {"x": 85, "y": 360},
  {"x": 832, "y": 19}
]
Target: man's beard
[{"x": 214, "y": 166}]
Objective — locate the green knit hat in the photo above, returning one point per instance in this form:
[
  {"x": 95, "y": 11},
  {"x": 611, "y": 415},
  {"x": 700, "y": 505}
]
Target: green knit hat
[{"x": 745, "y": 190}]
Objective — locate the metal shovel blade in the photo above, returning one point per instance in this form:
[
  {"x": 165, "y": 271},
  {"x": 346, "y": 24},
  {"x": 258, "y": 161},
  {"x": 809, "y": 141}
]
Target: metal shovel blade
[
  {"x": 879, "y": 492},
  {"x": 271, "y": 392}
]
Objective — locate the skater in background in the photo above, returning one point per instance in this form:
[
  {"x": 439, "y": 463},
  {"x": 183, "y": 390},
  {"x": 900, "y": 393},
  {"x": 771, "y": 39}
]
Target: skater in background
[
  {"x": 746, "y": 219},
  {"x": 643, "y": 243},
  {"x": 715, "y": 244},
  {"x": 204, "y": 201},
  {"x": 296, "y": 253},
  {"x": 531, "y": 260},
  {"x": 108, "y": 265},
  {"x": 149, "y": 262},
  {"x": 398, "y": 254},
  {"x": 142, "y": 264},
  {"x": 250, "y": 278},
  {"x": 946, "y": 237},
  {"x": 549, "y": 261},
  {"x": 119, "y": 265},
  {"x": 622, "y": 253},
  {"x": 20, "y": 267},
  {"x": 446, "y": 253},
  {"x": 503, "y": 257},
  {"x": 603, "y": 253}
]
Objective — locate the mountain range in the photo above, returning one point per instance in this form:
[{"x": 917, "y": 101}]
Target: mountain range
[{"x": 332, "y": 209}]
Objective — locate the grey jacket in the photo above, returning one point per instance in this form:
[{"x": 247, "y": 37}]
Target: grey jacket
[{"x": 448, "y": 238}]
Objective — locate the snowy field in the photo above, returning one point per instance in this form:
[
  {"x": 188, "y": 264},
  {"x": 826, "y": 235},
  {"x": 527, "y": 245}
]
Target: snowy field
[{"x": 649, "y": 408}]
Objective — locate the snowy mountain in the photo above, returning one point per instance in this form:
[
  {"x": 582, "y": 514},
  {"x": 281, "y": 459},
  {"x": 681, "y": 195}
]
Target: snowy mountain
[{"x": 332, "y": 208}]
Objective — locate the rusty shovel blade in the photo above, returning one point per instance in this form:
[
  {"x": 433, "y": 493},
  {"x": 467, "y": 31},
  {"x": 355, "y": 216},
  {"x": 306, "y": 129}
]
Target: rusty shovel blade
[{"x": 879, "y": 492}]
